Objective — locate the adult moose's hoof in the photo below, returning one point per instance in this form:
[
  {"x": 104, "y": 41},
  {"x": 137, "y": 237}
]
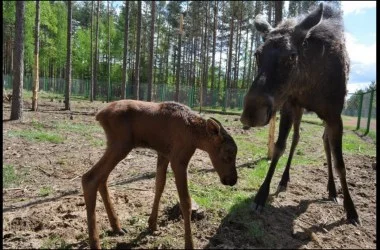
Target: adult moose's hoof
[
  {"x": 280, "y": 189},
  {"x": 334, "y": 199},
  {"x": 260, "y": 199},
  {"x": 356, "y": 222}
]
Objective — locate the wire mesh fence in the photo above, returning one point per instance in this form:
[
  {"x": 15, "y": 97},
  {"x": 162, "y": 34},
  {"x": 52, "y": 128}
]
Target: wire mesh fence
[{"x": 359, "y": 112}]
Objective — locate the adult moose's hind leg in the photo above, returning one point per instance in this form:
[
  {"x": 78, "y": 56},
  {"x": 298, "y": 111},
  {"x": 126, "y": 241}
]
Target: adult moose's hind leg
[
  {"x": 162, "y": 166},
  {"x": 330, "y": 184},
  {"x": 335, "y": 132},
  {"x": 91, "y": 181},
  {"x": 285, "y": 126},
  {"x": 297, "y": 116}
]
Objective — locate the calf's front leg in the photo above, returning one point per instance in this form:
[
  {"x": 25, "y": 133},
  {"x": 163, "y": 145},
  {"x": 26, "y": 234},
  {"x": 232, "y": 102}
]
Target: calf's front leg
[
  {"x": 162, "y": 166},
  {"x": 180, "y": 175}
]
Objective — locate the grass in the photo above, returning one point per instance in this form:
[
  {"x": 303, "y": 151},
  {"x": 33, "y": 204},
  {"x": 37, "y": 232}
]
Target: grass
[
  {"x": 37, "y": 135},
  {"x": 54, "y": 242},
  {"x": 45, "y": 191},
  {"x": 10, "y": 177}
]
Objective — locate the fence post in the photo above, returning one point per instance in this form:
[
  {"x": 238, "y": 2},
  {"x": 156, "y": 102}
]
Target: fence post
[
  {"x": 369, "y": 112},
  {"x": 360, "y": 111}
]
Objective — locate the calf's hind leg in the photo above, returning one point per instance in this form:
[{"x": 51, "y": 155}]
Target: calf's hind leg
[
  {"x": 162, "y": 166},
  {"x": 96, "y": 179}
]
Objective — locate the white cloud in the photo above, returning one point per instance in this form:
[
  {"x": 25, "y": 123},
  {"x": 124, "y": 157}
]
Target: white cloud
[
  {"x": 360, "y": 53},
  {"x": 354, "y": 86},
  {"x": 356, "y": 7}
]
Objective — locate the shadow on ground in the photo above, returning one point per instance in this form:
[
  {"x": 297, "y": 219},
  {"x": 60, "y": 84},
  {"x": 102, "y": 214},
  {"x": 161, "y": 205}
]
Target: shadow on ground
[{"x": 274, "y": 227}]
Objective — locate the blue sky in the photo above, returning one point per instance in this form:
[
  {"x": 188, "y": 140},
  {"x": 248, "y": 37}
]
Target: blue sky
[
  {"x": 360, "y": 31},
  {"x": 360, "y": 26}
]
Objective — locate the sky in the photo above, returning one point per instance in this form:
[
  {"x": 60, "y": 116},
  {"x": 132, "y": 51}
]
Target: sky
[{"x": 360, "y": 32}]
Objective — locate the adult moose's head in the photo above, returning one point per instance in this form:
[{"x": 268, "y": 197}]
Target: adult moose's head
[{"x": 281, "y": 62}]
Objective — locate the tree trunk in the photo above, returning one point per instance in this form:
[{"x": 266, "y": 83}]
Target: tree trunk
[
  {"x": 178, "y": 73},
  {"x": 125, "y": 54},
  {"x": 245, "y": 59},
  {"x": 68, "y": 59},
  {"x": 138, "y": 45},
  {"x": 109, "y": 56},
  {"x": 250, "y": 61},
  {"x": 155, "y": 75},
  {"x": 278, "y": 5},
  {"x": 214, "y": 46},
  {"x": 18, "y": 73},
  {"x": 36, "y": 79},
  {"x": 151, "y": 51},
  {"x": 92, "y": 55},
  {"x": 230, "y": 53},
  {"x": 96, "y": 51},
  {"x": 205, "y": 62}
]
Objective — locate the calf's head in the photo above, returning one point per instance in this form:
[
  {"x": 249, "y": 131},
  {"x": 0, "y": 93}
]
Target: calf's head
[
  {"x": 278, "y": 63},
  {"x": 222, "y": 150}
]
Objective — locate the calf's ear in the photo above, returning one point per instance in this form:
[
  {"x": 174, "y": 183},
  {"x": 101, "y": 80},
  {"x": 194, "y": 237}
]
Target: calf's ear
[
  {"x": 213, "y": 128},
  {"x": 311, "y": 20}
]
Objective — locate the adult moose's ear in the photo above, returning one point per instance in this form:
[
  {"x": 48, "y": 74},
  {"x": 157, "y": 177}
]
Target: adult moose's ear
[
  {"x": 212, "y": 127},
  {"x": 262, "y": 25},
  {"x": 311, "y": 20}
]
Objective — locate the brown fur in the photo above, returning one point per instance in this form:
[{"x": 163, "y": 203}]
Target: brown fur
[
  {"x": 175, "y": 132},
  {"x": 302, "y": 64}
]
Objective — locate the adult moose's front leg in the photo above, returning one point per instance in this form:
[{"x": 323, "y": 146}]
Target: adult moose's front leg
[
  {"x": 334, "y": 130},
  {"x": 297, "y": 116},
  {"x": 330, "y": 184},
  {"x": 285, "y": 126}
]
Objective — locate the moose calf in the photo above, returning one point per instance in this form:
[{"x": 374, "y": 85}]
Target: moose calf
[{"x": 175, "y": 132}]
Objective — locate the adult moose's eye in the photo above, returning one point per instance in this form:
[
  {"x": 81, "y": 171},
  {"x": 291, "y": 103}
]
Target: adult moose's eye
[{"x": 292, "y": 56}]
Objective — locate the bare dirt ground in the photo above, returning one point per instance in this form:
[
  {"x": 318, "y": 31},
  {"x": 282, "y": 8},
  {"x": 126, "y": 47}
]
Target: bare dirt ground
[{"x": 298, "y": 218}]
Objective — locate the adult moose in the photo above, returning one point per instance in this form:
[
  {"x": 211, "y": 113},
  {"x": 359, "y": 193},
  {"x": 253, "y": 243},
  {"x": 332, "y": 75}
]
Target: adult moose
[
  {"x": 175, "y": 132},
  {"x": 302, "y": 63}
]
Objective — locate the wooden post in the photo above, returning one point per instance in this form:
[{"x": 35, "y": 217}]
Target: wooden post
[{"x": 272, "y": 129}]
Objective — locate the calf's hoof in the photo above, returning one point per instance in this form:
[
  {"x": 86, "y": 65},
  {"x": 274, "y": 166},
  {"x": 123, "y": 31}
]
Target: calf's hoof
[
  {"x": 95, "y": 245},
  {"x": 118, "y": 232},
  {"x": 152, "y": 224}
]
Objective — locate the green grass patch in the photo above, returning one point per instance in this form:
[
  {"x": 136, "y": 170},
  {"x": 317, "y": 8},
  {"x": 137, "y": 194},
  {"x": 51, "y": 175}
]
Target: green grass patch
[
  {"x": 10, "y": 177},
  {"x": 45, "y": 191},
  {"x": 37, "y": 135},
  {"x": 80, "y": 128},
  {"x": 353, "y": 144}
]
